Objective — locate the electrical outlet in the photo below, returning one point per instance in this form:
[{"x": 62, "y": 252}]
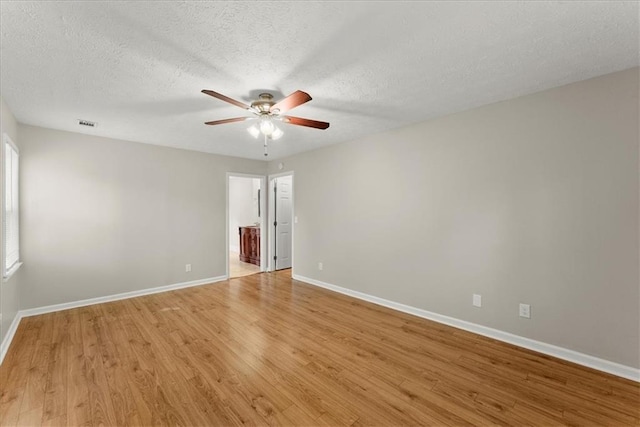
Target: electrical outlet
[
  {"x": 320, "y": 266},
  {"x": 525, "y": 311},
  {"x": 187, "y": 268},
  {"x": 477, "y": 300},
  {"x": 295, "y": 219}
]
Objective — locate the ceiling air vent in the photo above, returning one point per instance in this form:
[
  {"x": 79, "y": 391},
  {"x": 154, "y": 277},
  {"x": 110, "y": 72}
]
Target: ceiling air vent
[{"x": 87, "y": 123}]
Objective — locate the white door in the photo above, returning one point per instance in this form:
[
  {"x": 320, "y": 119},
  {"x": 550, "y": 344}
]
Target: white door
[{"x": 283, "y": 214}]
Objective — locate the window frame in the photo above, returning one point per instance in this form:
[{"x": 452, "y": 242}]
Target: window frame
[{"x": 8, "y": 143}]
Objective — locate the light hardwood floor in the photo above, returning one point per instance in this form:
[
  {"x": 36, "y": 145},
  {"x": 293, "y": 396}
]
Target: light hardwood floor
[{"x": 265, "y": 349}]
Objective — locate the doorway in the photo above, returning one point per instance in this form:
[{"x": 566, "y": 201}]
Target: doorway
[
  {"x": 281, "y": 227},
  {"x": 245, "y": 225}
]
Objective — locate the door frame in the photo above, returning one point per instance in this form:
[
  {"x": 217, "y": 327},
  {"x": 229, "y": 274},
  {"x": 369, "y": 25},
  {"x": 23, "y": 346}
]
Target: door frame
[
  {"x": 272, "y": 238},
  {"x": 263, "y": 220}
]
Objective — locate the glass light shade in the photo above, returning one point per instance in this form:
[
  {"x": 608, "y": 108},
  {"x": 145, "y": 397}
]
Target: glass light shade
[
  {"x": 266, "y": 126},
  {"x": 277, "y": 133},
  {"x": 254, "y": 131}
]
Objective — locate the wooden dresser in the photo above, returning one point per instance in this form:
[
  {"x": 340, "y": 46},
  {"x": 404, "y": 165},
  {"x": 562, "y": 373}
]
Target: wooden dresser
[{"x": 250, "y": 244}]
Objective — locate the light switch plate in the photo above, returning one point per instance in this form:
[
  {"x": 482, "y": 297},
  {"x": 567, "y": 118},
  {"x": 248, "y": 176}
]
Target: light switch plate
[{"x": 525, "y": 311}]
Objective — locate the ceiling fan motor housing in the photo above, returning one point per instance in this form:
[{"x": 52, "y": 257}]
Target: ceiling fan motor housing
[{"x": 264, "y": 103}]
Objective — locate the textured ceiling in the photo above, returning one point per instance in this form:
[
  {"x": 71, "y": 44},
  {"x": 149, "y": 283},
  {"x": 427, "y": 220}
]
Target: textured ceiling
[{"x": 137, "y": 68}]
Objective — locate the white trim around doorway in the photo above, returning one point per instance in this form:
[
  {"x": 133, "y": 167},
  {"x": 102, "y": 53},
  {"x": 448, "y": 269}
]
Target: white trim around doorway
[
  {"x": 270, "y": 178},
  {"x": 263, "y": 220}
]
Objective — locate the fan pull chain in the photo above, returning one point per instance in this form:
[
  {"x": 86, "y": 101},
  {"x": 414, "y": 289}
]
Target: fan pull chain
[{"x": 265, "y": 146}]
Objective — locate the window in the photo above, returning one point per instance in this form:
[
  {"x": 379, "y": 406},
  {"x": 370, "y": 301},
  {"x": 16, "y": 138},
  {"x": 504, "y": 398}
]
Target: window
[{"x": 11, "y": 227}]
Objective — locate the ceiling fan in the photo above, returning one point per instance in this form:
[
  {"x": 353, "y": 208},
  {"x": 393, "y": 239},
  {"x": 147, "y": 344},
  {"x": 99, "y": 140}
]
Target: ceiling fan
[{"x": 267, "y": 111}]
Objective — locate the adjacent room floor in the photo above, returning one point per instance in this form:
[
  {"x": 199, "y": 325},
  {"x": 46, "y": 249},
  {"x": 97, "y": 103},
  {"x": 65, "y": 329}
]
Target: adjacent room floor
[
  {"x": 238, "y": 268},
  {"x": 266, "y": 349}
]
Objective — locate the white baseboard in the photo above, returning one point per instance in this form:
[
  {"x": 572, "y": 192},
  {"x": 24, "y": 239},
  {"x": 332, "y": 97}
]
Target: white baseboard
[
  {"x": 6, "y": 342},
  {"x": 99, "y": 300},
  {"x": 541, "y": 347}
]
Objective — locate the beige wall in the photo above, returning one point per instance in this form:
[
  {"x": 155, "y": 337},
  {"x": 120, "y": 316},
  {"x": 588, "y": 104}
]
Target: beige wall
[
  {"x": 531, "y": 200},
  {"x": 102, "y": 216},
  {"x": 9, "y": 290}
]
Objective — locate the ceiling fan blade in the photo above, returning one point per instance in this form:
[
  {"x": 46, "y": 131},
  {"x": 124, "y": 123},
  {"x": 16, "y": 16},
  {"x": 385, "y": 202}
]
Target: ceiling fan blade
[
  {"x": 292, "y": 101},
  {"x": 223, "y": 121},
  {"x": 299, "y": 121},
  {"x": 226, "y": 99}
]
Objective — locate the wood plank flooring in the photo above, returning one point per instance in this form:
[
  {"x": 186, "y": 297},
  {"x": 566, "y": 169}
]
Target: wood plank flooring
[{"x": 268, "y": 350}]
